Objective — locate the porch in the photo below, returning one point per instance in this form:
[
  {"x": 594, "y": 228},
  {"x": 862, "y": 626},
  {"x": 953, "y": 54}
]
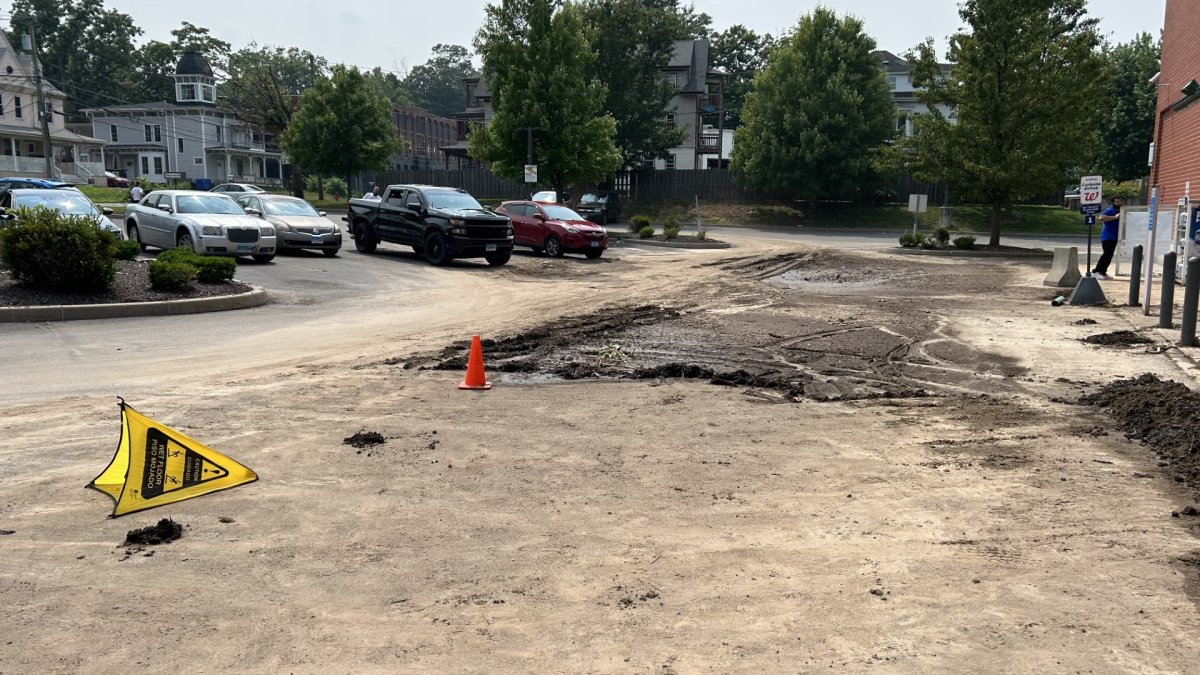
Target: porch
[
  {"x": 245, "y": 165},
  {"x": 74, "y": 158}
]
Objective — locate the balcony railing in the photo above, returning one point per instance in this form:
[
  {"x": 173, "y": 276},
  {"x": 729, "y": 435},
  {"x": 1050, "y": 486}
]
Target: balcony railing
[{"x": 710, "y": 143}]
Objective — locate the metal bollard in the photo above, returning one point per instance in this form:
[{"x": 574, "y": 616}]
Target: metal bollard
[
  {"x": 1191, "y": 294},
  {"x": 1166, "y": 305},
  {"x": 1135, "y": 279}
]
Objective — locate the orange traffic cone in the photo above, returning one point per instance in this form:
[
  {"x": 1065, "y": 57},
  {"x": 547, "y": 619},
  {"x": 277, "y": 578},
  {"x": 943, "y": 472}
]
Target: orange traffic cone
[{"x": 475, "y": 378}]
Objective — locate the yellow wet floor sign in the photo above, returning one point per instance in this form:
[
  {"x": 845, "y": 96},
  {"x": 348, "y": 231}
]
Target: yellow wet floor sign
[{"x": 157, "y": 465}]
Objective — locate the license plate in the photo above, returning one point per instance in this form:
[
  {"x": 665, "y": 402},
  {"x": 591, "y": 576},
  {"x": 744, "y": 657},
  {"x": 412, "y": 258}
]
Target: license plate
[
  {"x": 490, "y": 247},
  {"x": 595, "y": 244},
  {"x": 316, "y": 239},
  {"x": 245, "y": 248}
]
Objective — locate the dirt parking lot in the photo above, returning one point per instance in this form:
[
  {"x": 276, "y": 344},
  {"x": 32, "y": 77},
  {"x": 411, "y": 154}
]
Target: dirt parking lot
[{"x": 773, "y": 458}]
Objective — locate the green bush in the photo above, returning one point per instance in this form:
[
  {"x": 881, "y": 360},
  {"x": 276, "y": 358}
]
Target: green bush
[
  {"x": 128, "y": 250},
  {"x": 965, "y": 242},
  {"x": 209, "y": 269},
  {"x": 928, "y": 243},
  {"x": 336, "y": 187},
  {"x": 942, "y": 236},
  {"x": 636, "y": 224},
  {"x": 702, "y": 235},
  {"x": 46, "y": 250},
  {"x": 646, "y": 232},
  {"x": 908, "y": 240},
  {"x": 177, "y": 255},
  {"x": 168, "y": 275},
  {"x": 312, "y": 182},
  {"x": 670, "y": 229}
]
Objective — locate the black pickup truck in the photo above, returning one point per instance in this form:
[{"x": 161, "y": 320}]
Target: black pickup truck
[{"x": 440, "y": 224}]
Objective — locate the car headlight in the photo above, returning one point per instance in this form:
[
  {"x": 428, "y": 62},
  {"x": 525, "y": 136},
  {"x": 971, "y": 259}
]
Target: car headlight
[
  {"x": 456, "y": 221},
  {"x": 457, "y": 230},
  {"x": 211, "y": 230},
  {"x": 282, "y": 227},
  {"x": 266, "y": 230},
  {"x": 510, "y": 231},
  {"x": 573, "y": 230}
]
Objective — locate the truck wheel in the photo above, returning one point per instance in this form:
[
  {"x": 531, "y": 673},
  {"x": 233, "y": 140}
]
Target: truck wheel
[
  {"x": 554, "y": 247},
  {"x": 419, "y": 250},
  {"x": 131, "y": 230},
  {"x": 363, "y": 242},
  {"x": 435, "y": 250},
  {"x": 498, "y": 259}
]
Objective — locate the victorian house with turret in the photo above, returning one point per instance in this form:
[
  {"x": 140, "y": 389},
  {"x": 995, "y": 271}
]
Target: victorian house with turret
[{"x": 193, "y": 138}]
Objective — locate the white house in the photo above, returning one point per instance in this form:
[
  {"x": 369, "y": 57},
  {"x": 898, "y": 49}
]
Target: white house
[
  {"x": 904, "y": 94},
  {"x": 74, "y": 158}
]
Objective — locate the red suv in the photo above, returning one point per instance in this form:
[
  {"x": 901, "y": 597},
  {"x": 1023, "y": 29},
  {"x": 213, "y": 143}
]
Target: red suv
[{"x": 554, "y": 229}]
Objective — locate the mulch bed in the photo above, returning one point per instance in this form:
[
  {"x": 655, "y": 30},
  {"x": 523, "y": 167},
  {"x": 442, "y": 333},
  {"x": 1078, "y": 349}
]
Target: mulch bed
[
  {"x": 132, "y": 284},
  {"x": 681, "y": 239}
]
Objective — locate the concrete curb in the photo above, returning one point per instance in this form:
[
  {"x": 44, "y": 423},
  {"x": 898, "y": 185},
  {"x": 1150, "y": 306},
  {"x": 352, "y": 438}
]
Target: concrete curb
[
  {"x": 667, "y": 244},
  {"x": 957, "y": 253},
  {"x": 122, "y": 310}
]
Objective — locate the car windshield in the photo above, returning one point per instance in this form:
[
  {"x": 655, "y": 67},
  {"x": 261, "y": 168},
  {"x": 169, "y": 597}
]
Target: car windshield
[
  {"x": 66, "y": 203},
  {"x": 289, "y": 207},
  {"x": 452, "y": 200},
  {"x": 545, "y": 197},
  {"x": 593, "y": 199},
  {"x": 207, "y": 204},
  {"x": 561, "y": 213}
]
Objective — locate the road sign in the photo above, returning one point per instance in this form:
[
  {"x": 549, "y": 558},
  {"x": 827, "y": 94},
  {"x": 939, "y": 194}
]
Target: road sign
[
  {"x": 1091, "y": 194},
  {"x": 1089, "y": 219},
  {"x": 172, "y": 175},
  {"x": 917, "y": 203},
  {"x": 531, "y": 173}
]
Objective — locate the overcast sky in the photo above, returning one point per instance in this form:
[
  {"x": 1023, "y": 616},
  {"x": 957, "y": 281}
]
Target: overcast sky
[{"x": 397, "y": 34}]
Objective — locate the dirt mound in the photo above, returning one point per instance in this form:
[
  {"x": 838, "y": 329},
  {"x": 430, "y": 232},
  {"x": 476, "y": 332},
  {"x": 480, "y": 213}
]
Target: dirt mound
[
  {"x": 1120, "y": 338},
  {"x": 365, "y": 439},
  {"x": 1162, "y": 414},
  {"x": 1085, "y": 322},
  {"x": 165, "y": 532}
]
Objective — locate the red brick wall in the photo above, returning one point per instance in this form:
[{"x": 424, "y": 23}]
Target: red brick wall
[{"x": 1177, "y": 132}]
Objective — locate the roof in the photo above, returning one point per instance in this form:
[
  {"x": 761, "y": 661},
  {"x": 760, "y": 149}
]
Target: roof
[
  {"x": 895, "y": 64},
  {"x": 26, "y": 61},
  {"x": 55, "y": 134},
  {"x": 693, "y": 55},
  {"x": 193, "y": 63}
]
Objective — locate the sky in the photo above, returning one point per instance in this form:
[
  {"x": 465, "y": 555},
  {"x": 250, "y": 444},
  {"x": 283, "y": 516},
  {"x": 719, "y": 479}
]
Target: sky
[{"x": 399, "y": 34}]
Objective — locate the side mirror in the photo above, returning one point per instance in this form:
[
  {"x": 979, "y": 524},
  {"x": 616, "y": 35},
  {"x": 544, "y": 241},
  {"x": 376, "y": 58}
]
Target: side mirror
[
  {"x": 321, "y": 213},
  {"x": 540, "y": 217},
  {"x": 252, "y": 212},
  {"x": 106, "y": 211},
  {"x": 165, "y": 207}
]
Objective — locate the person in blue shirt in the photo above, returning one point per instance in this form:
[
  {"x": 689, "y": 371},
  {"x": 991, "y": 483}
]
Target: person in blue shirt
[{"x": 1109, "y": 233}]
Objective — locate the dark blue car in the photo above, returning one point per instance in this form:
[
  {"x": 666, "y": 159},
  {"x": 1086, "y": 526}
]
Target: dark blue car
[{"x": 20, "y": 183}]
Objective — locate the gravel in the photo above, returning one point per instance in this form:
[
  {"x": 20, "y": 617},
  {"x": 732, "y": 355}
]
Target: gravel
[{"x": 132, "y": 284}]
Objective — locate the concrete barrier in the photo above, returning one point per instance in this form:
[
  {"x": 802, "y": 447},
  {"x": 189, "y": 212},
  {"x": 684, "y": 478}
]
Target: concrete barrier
[{"x": 1064, "y": 272}]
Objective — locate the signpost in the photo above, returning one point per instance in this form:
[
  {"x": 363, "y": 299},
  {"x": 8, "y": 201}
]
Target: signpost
[
  {"x": 1091, "y": 197},
  {"x": 1148, "y": 262},
  {"x": 917, "y": 204}
]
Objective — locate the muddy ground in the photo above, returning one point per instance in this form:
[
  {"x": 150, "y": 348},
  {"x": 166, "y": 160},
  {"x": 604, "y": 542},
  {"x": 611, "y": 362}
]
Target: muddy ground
[{"x": 767, "y": 459}]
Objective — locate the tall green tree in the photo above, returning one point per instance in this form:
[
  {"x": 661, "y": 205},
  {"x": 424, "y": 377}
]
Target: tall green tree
[
  {"x": 389, "y": 85},
  {"x": 437, "y": 84},
  {"x": 1026, "y": 82},
  {"x": 683, "y": 20},
  {"x": 741, "y": 53},
  {"x": 192, "y": 38},
  {"x": 86, "y": 50},
  {"x": 535, "y": 54},
  {"x": 342, "y": 126},
  {"x": 817, "y": 113},
  {"x": 156, "y": 62},
  {"x": 633, "y": 44},
  {"x": 1129, "y": 100}
]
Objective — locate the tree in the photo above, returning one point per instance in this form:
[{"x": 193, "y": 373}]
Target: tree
[
  {"x": 437, "y": 84},
  {"x": 389, "y": 85},
  {"x": 683, "y": 20},
  {"x": 86, "y": 50},
  {"x": 741, "y": 53},
  {"x": 817, "y": 113},
  {"x": 1127, "y": 127},
  {"x": 535, "y": 54},
  {"x": 192, "y": 38},
  {"x": 633, "y": 45},
  {"x": 341, "y": 126},
  {"x": 156, "y": 62},
  {"x": 1025, "y": 82}
]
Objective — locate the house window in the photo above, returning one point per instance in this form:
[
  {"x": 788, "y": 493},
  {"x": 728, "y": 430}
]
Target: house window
[
  {"x": 902, "y": 123},
  {"x": 198, "y": 161},
  {"x": 180, "y": 140},
  {"x": 673, "y": 78},
  {"x": 671, "y": 161},
  {"x": 892, "y": 80},
  {"x": 187, "y": 92},
  {"x": 218, "y": 131},
  {"x": 241, "y": 167},
  {"x": 209, "y": 92},
  {"x": 112, "y": 132},
  {"x": 671, "y": 118},
  {"x": 158, "y": 165},
  {"x": 1, "y": 106},
  {"x": 157, "y": 134},
  {"x": 17, "y": 106},
  {"x": 145, "y": 165},
  {"x": 146, "y": 129}
]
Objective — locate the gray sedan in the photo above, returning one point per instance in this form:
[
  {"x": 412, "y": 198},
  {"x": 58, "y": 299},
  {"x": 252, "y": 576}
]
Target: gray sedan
[{"x": 297, "y": 224}]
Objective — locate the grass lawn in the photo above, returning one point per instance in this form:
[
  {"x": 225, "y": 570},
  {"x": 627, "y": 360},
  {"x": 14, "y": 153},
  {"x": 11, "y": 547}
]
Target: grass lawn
[
  {"x": 107, "y": 195},
  {"x": 969, "y": 218}
]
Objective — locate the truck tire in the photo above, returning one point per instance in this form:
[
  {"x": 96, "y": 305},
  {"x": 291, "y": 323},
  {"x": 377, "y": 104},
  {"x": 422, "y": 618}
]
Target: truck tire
[
  {"x": 498, "y": 259},
  {"x": 435, "y": 250},
  {"x": 363, "y": 242}
]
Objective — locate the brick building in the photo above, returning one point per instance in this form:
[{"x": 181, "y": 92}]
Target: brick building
[
  {"x": 1176, "y": 150},
  {"x": 425, "y": 134}
]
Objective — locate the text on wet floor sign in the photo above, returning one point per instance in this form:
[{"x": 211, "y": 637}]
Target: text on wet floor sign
[{"x": 157, "y": 465}]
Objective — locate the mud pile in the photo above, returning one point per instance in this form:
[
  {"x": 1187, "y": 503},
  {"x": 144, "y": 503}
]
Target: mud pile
[
  {"x": 1120, "y": 338},
  {"x": 164, "y": 532},
  {"x": 1164, "y": 415}
]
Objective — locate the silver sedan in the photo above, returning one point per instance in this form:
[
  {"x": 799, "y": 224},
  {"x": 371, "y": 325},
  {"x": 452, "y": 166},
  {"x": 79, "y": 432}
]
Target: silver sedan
[{"x": 297, "y": 224}]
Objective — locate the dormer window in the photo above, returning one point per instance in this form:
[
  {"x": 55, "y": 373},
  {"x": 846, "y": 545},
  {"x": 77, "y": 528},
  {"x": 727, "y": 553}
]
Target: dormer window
[{"x": 195, "y": 89}]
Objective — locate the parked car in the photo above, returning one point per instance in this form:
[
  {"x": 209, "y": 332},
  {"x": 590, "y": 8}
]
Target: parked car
[
  {"x": 66, "y": 202},
  {"x": 14, "y": 183},
  {"x": 440, "y": 223},
  {"x": 554, "y": 229},
  {"x": 117, "y": 181},
  {"x": 549, "y": 197},
  {"x": 239, "y": 188},
  {"x": 297, "y": 224},
  {"x": 209, "y": 224},
  {"x": 600, "y": 207}
]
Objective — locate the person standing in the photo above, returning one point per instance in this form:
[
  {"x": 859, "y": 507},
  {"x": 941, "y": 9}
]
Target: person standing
[
  {"x": 136, "y": 194},
  {"x": 1109, "y": 233}
]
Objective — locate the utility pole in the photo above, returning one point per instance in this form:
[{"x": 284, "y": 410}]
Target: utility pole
[{"x": 43, "y": 111}]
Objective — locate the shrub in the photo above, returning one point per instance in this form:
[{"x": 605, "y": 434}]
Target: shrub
[
  {"x": 168, "y": 275},
  {"x": 942, "y": 236},
  {"x": 908, "y": 240},
  {"x": 646, "y": 232},
  {"x": 312, "y": 182},
  {"x": 208, "y": 269},
  {"x": 336, "y": 187},
  {"x": 70, "y": 254},
  {"x": 928, "y": 243},
  {"x": 128, "y": 250},
  {"x": 701, "y": 235},
  {"x": 965, "y": 242},
  {"x": 636, "y": 224},
  {"x": 177, "y": 255},
  {"x": 670, "y": 229}
]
